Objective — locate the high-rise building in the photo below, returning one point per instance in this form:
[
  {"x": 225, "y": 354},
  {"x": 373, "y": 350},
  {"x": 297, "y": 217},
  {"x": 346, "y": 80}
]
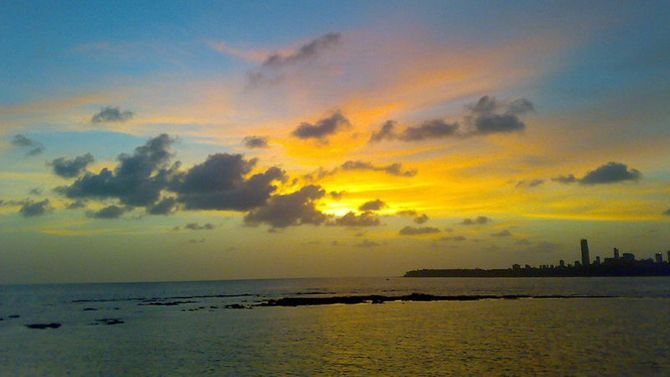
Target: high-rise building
[
  {"x": 668, "y": 256},
  {"x": 659, "y": 257},
  {"x": 586, "y": 260},
  {"x": 616, "y": 253},
  {"x": 562, "y": 262}
]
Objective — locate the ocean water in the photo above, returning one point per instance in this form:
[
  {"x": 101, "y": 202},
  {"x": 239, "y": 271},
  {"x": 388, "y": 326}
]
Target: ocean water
[{"x": 624, "y": 335}]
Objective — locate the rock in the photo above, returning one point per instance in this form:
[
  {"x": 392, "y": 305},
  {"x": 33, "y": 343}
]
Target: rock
[
  {"x": 109, "y": 321},
  {"x": 13, "y": 316},
  {"x": 90, "y": 309},
  {"x": 42, "y": 326}
]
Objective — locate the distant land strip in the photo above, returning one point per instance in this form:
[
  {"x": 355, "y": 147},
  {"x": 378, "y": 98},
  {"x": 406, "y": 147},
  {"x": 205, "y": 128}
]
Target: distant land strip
[{"x": 379, "y": 299}]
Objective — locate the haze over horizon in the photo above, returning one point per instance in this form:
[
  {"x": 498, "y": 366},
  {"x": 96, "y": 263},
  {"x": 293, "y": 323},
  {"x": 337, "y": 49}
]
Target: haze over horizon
[{"x": 236, "y": 140}]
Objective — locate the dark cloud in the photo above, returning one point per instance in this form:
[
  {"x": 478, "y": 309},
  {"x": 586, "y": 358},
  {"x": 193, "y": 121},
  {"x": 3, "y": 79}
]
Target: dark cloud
[
  {"x": 252, "y": 142},
  {"x": 502, "y": 233},
  {"x": 386, "y": 132},
  {"x": 413, "y": 231},
  {"x": 367, "y": 244},
  {"x": 32, "y": 209},
  {"x": 372, "y": 205},
  {"x": 271, "y": 69},
  {"x": 111, "y": 114},
  {"x": 221, "y": 183},
  {"x": 196, "y": 226},
  {"x": 336, "y": 195},
  {"x": 350, "y": 219},
  {"x": 165, "y": 206},
  {"x": 33, "y": 147},
  {"x": 421, "y": 219},
  {"x": 137, "y": 179},
  {"x": 453, "y": 238},
  {"x": 291, "y": 209},
  {"x": 479, "y": 220},
  {"x": 418, "y": 218},
  {"x": 484, "y": 117},
  {"x": 35, "y": 191},
  {"x": 77, "y": 204},
  {"x": 565, "y": 179},
  {"x": 322, "y": 128},
  {"x": 71, "y": 168},
  {"x": 530, "y": 183},
  {"x": 305, "y": 52},
  {"x": 667, "y": 212},
  {"x": 392, "y": 169},
  {"x": 612, "y": 172},
  {"x": 432, "y": 129},
  {"x": 488, "y": 116},
  {"x": 109, "y": 212}
]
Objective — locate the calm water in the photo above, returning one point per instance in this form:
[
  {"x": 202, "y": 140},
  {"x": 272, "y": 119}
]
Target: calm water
[{"x": 627, "y": 335}]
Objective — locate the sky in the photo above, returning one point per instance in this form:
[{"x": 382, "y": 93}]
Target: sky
[{"x": 202, "y": 140}]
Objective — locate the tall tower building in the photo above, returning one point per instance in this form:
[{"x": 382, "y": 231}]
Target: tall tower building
[
  {"x": 586, "y": 260},
  {"x": 616, "y": 253}
]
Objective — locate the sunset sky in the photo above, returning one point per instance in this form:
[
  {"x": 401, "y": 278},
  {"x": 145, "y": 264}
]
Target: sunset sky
[{"x": 223, "y": 140}]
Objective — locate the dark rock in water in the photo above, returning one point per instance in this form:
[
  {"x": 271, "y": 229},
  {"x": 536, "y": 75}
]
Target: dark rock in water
[
  {"x": 109, "y": 321},
  {"x": 213, "y": 307},
  {"x": 13, "y": 316},
  {"x": 90, "y": 309},
  {"x": 2, "y": 319},
  {"x": 42, "y": 326},
  {"x": 237, "y": 306},
  {"x": 378, "y": 299},
  {"x": 167, "y": 303}
]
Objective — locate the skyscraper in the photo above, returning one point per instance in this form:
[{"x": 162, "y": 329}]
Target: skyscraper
[
  {"x": 586, "y": 260},
  {"x": 616, "y": 253}
]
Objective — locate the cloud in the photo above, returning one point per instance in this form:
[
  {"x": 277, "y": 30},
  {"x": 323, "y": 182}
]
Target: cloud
[
  {"x": 502, "y": 233},
  {"x": 336, "y": 195},
  {"x": 34, "y": 147},
  {"x": 322, "y": 128},
  {"x": 372, "y": 205},
  {"x": 392, "y": 169},
  {"x": 350, "y": 219},
  {"x": 453, "y": 238},
  {"x": 137, "y": 180},
  {"x": 77, "y": 204},
  {"x": 32, "y": 209},
  {"x": 196, "y": 226},
  {"x": 432, "y": 129},
  {"x": 418, "y": 218},
  {"x": 196, "y": 241},
  {"x": 413, "y": 231},
  {"x": 395, "y": 169},
  {"x": 488, "y": 116},
  {"x": 428, "y": 130},
  {"x": 305, "y": 52},
  {"x": 35, "y": 191},
  {"x": 71, "y": 168},
  {"x": 252, "y": 142},
  {"x": 367, "y": 244},
  {"x": 667, "y": 212},
  {"x": 272, "y": 68},
  {"x": 565, "y": 179},
  {"x": 484, "y": 117},
  {"x": 111, "y": 114},
  {"x": 165, "y": 206},
  {"x": 386, "y": 132},
  {"x": 479, "y": 220},
  {"x": 612, "y": 172},
  {"x": 529, "y": 183},
  {"x": 291, "y": 209},
  {"x": 109, "y": 212},
  {"x": 221, "y": 183},
  {"x": 421, "y": 219}
]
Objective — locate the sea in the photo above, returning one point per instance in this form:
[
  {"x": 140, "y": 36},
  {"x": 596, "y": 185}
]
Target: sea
[{"x": 186, "y": 328}]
